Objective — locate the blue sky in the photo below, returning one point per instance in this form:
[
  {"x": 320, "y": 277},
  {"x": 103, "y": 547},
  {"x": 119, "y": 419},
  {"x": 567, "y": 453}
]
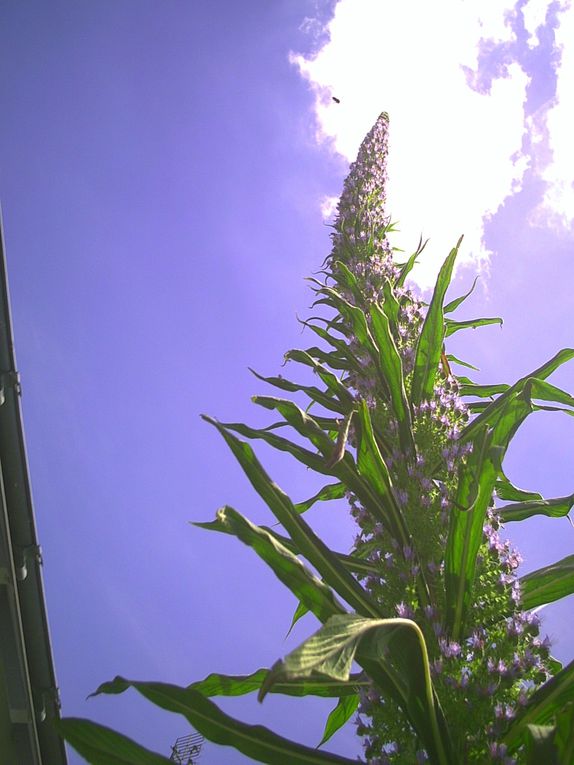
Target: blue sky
[{"x": 164, "y": 171}]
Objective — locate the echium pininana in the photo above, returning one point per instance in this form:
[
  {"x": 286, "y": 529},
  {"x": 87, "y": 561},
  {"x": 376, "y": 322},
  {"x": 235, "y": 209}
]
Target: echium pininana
[{"x": 483, "y": 677}]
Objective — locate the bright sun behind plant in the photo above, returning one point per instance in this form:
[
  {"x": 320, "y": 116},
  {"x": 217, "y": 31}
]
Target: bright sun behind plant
[{"x": 428, "y": 603}]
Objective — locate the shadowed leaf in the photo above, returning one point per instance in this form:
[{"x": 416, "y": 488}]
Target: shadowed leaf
[{"x": 99, "y": 745}]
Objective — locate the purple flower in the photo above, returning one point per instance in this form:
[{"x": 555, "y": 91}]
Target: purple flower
[{"x": 404, "y": 611}]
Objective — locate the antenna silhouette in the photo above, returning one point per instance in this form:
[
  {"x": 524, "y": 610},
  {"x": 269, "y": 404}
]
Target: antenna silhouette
[{"x": 187, "y": 749}]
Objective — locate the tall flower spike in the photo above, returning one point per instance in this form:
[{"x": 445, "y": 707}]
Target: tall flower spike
[
  {"x": 359, "y": 239},
  {"x": 482, "y": 679}
]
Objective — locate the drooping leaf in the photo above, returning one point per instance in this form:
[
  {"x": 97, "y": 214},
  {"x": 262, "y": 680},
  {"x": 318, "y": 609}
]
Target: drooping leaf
[
  {"x": 397, "y": 645},
  {"x": 548, "y": 584},
  {"x": 455, "y": 326},
  {"x": 100, "y": 745},
  {"x": 430, "y": 343},
  {"x": 553, "y": 508},
  {"x": 254, "y": 741},
  {"x": 346, "y": 707}
]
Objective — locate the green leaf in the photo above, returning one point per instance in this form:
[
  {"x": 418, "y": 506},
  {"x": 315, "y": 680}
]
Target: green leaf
[
  {"x": 397, "y": 645},
  {"x": 553, "y": 508},
  {"x": 454, "y": 304},
  {"x": 346, "y": 706},
  {"x": 254, "y": 741},
  {"x": 310, "y": 545},
  {"x": 333, "y": 359},
  {"x": 240, "y": 685},
  {"x": 564, "y": 737},
  {"x": 476, "y": 481},
  {"x": 545, "y": 391},
  {"x": 407, "y": 267},
  {"x": 300, "y": 612},
  {"x": 372, "y": 467},
  {"x": 331, "y": 491},
  {"x": 391, "y": 367},
  {"x": 506, "y": 491},
  {"x": 311, "y": 591},
  {"x": 482, "y": 391},
  {"x": 99, "y": 745},
  {"x": 542, "y": 707},
  {"x": 350, "y": 562},
  {"x": 338, "y": 344},
  {"x": 490, "y": 414},
  {"x": 311, "y": 459},
  {"x": 454, "y": 326},
  {"x": 430, "y": 343},
  {"x": 331, "y": 381},
  {"x": 548, "y": 584},
  {"x": 540, "y": 745},
  {"x": 455, "y": 360},
  {"x": 322, "y": 398}
]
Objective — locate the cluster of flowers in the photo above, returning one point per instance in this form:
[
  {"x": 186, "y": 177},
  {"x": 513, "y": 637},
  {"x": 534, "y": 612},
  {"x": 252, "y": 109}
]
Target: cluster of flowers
[{"x": 482, "y": 680}]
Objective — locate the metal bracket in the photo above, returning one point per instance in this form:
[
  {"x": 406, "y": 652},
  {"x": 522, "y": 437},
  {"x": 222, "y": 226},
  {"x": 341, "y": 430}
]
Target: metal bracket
[{"x": 9, "y": 380}]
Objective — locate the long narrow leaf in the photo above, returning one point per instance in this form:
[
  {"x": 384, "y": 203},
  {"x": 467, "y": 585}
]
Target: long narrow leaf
[
  {"x": 490, "y": 414},
  {"x": 314, "y": 393},
  {"x": 455, "y": 326},
  {"x": 254, "y": 741},
  {"x": 477, "y": 479},
  {"x": 553, "y": 508},
  {"x": 310, "y": 545},
  {"x": 548, "y": 584},
  {"x": 430, "y": 344},
  {"x": 506, "y": 491},
  {"x": 100, "y": 745},
  {"x": 310, "y": 590},
  {"x": 350, "y": 562},
  {"x": 392, "y": 369},
  {"x": 240, "y": 685}
]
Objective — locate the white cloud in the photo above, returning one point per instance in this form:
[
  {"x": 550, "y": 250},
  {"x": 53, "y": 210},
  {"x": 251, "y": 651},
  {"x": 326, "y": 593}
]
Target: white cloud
[
  {"x": 329, "y": 208},
  {"x": 453, "y": 151},
  {"x": 557, "y": 208},
  {"x": 534, "y": 14}
]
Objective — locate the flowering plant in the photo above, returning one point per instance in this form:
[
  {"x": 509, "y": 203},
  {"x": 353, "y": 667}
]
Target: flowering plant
[{"x": 428, "y": 603}]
